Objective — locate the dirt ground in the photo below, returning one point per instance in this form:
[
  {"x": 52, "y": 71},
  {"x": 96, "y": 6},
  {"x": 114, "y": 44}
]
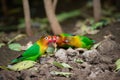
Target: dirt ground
[{"x": 98, "y": 65}]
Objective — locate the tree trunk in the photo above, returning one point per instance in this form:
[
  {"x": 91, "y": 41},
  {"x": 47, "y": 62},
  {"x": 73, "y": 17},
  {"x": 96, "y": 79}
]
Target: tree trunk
[
  {"x": 54, "y": 4},
  {"x": 97, "y": 10},
  {"x": 27, "y": 17},
  {"x": 56, "y": 28},
  {"x": 4, "y": 7}
]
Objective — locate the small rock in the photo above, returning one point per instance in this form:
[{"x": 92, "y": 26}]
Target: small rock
[
  {"x": 91, "y": 56},
  {"x": 118, "y": 73},
  {"x": 106, "y": 59},
  {"x": 26, "y": 74},
  {"x": 92, "y": 75},
  {"x": 86, "y": 66},
  {"x": 42, "y": 60},
  {"x": 9, "y": 75},
  {"x": 107, "y": 45},
  {"x": 44, "y": 66},
  {"x": 71, "y": 52},
  {"x": 51, "y": 60},
  {"x": 61, "y": 54}
]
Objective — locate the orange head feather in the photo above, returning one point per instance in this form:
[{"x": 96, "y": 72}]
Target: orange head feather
[
  {"x": 45, "y": 40},
  {"x": 60, "y": 40}
]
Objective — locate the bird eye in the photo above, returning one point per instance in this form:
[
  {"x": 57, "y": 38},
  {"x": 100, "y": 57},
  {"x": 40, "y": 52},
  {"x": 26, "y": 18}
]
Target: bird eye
[
  {"x": 66, "y": 41},
  {"x": 46, "y": 38}
]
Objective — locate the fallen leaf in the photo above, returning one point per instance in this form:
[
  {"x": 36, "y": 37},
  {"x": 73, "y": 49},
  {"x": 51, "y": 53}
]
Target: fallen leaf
[
  {"x": 58, "y": 64},
  {"x": 15, "y": 46},
  {"x": 22, "y": 65},
  {"x": 117, "y": 64},
  {"x": 2, "y": 44},
  {"x": 66, "y": 74},
  {"x": 3, "y": 67},
  {"x": 78, "y": 60},
  {"x": 62, "y": 65},
  {"x": 16, "y": 38},
  {"x": 66, "y": 65},
  {"x": 96, "y": 45}
]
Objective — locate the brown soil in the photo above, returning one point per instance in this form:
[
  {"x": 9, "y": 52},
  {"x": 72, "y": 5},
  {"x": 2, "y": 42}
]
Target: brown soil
[{"x": 97, "y": 66}]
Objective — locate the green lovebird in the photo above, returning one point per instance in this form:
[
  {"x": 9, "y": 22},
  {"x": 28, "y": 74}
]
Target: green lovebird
[
  {"x": 76, "y": 41},
  {"x": 35, "y": 51},
  {"x": 80, "y": 41}
]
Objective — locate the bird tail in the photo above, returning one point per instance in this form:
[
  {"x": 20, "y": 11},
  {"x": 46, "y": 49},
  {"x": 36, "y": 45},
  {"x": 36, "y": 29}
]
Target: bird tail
[
  {"x": 18, "y": 59},
  {"x": 14, "y": 61},
  {"x": 93, "y": 41}
]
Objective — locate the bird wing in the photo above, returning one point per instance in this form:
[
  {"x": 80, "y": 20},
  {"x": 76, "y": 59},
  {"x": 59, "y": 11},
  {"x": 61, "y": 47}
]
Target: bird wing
[
  {"x": 32, "y": 51},
  {"x": 86, "y": 42},
  {"x": 30, "y": 54}
]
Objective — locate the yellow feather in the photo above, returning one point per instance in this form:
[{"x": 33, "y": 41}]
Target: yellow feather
[
  {"x": 42, "y": 46},
  {"x": 75, "y": 41}
]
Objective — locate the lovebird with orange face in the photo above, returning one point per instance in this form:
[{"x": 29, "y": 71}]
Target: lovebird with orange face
[
  {"x": 76, "y": 41},
  {"x": 61, "y": 40},
  {"x": 35, "y": 51}
]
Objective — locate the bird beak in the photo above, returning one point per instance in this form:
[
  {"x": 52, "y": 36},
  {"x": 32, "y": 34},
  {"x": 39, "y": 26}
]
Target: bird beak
[
  {"x": 50, "y": 40},
  {"x": 54, "y": 39}
]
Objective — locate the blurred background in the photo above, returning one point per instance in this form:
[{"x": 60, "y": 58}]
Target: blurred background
[{"x": 70, "y": 14}]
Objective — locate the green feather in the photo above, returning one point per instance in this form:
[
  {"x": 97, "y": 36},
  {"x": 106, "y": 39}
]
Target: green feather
[
  {"x": 65, "y": 34},
  {"x": 87, "y": 42},
  {"x": 31, "y": 53}
]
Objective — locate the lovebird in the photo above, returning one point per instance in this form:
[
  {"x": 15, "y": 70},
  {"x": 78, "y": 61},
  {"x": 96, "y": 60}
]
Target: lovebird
[
  {"x": 35, "y": 51},
  {"x": 76, "y": 41},
  {"x": 61, "y": 40}
]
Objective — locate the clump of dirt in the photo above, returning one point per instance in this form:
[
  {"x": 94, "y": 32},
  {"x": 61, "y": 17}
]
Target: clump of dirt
[{"x": 97, "y": 63}]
